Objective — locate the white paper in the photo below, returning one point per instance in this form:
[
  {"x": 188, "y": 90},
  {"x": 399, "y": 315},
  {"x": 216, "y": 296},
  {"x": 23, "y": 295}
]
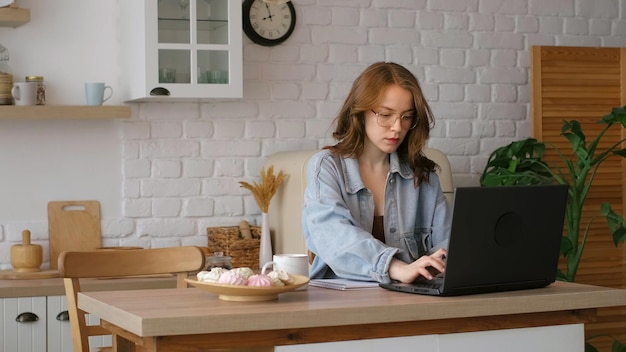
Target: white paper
[{"x": 342, "y": 284}]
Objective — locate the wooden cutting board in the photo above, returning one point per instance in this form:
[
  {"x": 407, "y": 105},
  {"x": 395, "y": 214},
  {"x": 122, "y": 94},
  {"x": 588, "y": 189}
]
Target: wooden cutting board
[{"x": 73, "y": 225}]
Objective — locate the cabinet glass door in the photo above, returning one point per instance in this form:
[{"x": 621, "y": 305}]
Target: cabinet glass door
[{"x": 193, "y": 39}]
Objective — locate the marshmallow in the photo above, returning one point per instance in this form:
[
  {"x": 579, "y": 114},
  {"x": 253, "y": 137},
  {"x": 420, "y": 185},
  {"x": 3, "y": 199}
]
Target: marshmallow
[
  {"x": 211, "y": 276},
  {"x": 259, "y": 280},
  {"x": 245, "y": 272},
  {"x": 232, "y": 278}
]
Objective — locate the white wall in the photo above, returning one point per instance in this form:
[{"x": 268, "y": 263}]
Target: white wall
[
  {"x": 172, "y": 170},
  {"x": 69, "y": 42}
]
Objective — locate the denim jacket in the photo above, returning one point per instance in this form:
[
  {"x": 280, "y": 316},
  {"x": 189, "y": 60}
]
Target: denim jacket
[{"x": 338, "y": 216}]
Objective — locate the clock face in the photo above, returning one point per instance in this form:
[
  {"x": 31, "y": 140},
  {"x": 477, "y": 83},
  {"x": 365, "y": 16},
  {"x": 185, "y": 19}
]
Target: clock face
[{"x": 268, "y": 24}]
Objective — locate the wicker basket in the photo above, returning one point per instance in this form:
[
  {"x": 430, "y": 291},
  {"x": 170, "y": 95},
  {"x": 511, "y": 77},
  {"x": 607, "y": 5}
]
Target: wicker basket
[{"x": 244, "y": 251}]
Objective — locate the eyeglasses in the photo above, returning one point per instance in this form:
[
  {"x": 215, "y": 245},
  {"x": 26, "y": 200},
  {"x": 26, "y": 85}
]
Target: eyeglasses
[{"x": 385, "y": 119}]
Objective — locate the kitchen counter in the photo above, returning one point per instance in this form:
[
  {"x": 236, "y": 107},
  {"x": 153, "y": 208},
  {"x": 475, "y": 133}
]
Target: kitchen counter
[{"x": 54, "y": 286}]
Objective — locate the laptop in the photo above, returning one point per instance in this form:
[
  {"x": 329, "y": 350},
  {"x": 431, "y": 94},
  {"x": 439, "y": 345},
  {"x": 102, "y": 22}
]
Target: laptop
[{"x": 502, "y": 239}]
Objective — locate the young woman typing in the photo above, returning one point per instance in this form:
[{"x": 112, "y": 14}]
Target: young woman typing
[{"x": 374, "y": 209}]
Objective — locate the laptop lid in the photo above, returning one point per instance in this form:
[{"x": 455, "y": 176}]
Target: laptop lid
[{"x": 502, "y": 238}]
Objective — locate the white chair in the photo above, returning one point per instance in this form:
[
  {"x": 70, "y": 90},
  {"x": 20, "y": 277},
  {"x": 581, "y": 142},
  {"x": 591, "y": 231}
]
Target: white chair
[{"x": 285, "y": 213}]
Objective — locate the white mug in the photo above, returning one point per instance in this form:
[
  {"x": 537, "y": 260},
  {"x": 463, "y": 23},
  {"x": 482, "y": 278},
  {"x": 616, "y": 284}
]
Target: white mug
[
  {"x": 94, "y": 93},
  {"x": 24, "y": 93},
  {"x": 294, "y": 264}
]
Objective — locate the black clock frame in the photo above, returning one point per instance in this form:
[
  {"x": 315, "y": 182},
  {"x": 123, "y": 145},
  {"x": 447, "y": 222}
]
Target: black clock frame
[{"x": 254, "y": 36}]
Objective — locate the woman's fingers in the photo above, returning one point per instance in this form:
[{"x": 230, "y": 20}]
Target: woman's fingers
[
  {"x": 430, "y": 265},
  {"x": 427, "y": 266},
  {"x": 441, "y": 253}
]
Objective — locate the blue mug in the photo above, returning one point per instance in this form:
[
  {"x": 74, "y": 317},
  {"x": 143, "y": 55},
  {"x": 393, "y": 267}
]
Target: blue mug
[{"x": 95, "y": 93}]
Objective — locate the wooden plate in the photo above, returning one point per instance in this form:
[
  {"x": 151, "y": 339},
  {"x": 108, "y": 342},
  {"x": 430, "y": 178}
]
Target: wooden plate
[{"x": 247, "y": 293}]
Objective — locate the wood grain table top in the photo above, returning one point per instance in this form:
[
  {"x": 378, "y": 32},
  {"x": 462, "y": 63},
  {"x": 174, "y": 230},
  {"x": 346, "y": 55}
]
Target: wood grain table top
[{"x": 164, "y": 312}]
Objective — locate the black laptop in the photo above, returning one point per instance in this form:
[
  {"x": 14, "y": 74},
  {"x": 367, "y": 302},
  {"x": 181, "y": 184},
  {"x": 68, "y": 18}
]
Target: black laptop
[{"x": 502, "y": 239}]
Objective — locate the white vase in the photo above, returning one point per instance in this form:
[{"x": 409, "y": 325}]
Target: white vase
[{"x": 265, "y": 250}]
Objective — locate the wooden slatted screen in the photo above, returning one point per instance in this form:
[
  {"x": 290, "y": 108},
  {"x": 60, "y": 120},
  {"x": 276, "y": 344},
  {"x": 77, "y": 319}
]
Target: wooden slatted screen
[{"x": 584, "y": 84}]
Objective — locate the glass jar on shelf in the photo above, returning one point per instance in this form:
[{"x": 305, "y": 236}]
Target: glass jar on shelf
[
  {"x": 6, "y": 77},
  {"x": 41, "y": 88}
]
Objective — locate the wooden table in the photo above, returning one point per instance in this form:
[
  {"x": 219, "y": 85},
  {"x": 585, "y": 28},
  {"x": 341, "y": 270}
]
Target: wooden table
[{"x": 170, "y": 319}]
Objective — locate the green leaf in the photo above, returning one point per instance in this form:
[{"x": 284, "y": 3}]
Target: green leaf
[
  {"x": 590, "y": 348},
  {"x": 574, "y": 133},
  {"x": 618, "y": 347},
  {"x": 621, "y": 152},
  {"x": 519, "y": 163},
  {"x": 616, "y": 223},
  {"x": 566, "y": 246},
  {"x": 617, "y": 115},
  {"x": 619, "y": 236}
]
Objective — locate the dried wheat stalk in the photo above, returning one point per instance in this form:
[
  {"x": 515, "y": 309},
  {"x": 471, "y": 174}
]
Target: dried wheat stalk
[{"x": 264, "y": 191}]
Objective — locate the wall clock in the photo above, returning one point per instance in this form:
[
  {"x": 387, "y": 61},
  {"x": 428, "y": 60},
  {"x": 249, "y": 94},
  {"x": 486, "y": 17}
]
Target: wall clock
[{"x": 266, "y": 23}]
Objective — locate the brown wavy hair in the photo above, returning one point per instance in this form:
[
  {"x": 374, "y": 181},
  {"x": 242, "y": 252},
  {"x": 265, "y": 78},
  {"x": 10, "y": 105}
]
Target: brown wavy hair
[{"x": 367, "y": 92}]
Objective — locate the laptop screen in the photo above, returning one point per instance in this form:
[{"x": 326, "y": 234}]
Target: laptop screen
[{"x": 505, "y": 235}]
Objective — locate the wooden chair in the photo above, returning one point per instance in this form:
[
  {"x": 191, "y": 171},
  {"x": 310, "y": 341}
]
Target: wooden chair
[{"x": 76, "y": 265}]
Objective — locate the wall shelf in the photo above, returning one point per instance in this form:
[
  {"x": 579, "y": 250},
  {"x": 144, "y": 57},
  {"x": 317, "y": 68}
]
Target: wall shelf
[
  {"x": 13, "y": 16},
  {"x": 65, "y": 112}
]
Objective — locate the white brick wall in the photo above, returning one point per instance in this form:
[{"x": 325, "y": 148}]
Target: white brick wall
[{"x": 181, "y": 163}]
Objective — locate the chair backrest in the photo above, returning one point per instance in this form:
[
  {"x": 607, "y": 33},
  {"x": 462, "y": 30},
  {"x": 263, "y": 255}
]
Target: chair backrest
[
  {"x": 111, "y": 263},
  {"x": 285, "y": 212}
]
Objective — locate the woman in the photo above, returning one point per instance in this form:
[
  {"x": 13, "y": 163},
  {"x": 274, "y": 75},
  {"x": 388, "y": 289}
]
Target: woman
[{"x": 374, "y": 209}]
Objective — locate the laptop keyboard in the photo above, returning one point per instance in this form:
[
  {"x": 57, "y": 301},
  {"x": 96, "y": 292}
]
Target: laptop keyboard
[{"x": 435, "y": 283}]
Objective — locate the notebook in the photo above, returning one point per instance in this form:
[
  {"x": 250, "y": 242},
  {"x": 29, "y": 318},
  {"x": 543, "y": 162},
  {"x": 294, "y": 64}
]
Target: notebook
[
  {"x": 502, "y": 238},
  {"x": 343, "y": 284}
]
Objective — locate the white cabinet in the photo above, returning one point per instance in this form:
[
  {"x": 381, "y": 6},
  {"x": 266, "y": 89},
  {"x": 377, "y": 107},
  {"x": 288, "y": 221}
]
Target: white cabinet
[
  {"x": 23, "y": 324},
  {"x": 559, "y": 338},
  {"x": 39, "y": 324},
  {"x": 181, "y": 49},
  {"x": 59, "y": 331}
]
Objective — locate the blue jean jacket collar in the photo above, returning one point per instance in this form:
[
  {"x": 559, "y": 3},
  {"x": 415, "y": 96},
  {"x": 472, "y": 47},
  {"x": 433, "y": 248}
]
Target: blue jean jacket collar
[{"x": 353, "y": 177}]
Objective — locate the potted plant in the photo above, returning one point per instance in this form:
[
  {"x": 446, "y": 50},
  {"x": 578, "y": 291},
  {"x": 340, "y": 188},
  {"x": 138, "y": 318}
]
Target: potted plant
[{"x": 522, "y": 163}]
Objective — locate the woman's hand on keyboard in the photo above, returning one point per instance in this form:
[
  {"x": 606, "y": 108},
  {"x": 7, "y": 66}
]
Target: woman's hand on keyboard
[{"x": 427, "y": 266}]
